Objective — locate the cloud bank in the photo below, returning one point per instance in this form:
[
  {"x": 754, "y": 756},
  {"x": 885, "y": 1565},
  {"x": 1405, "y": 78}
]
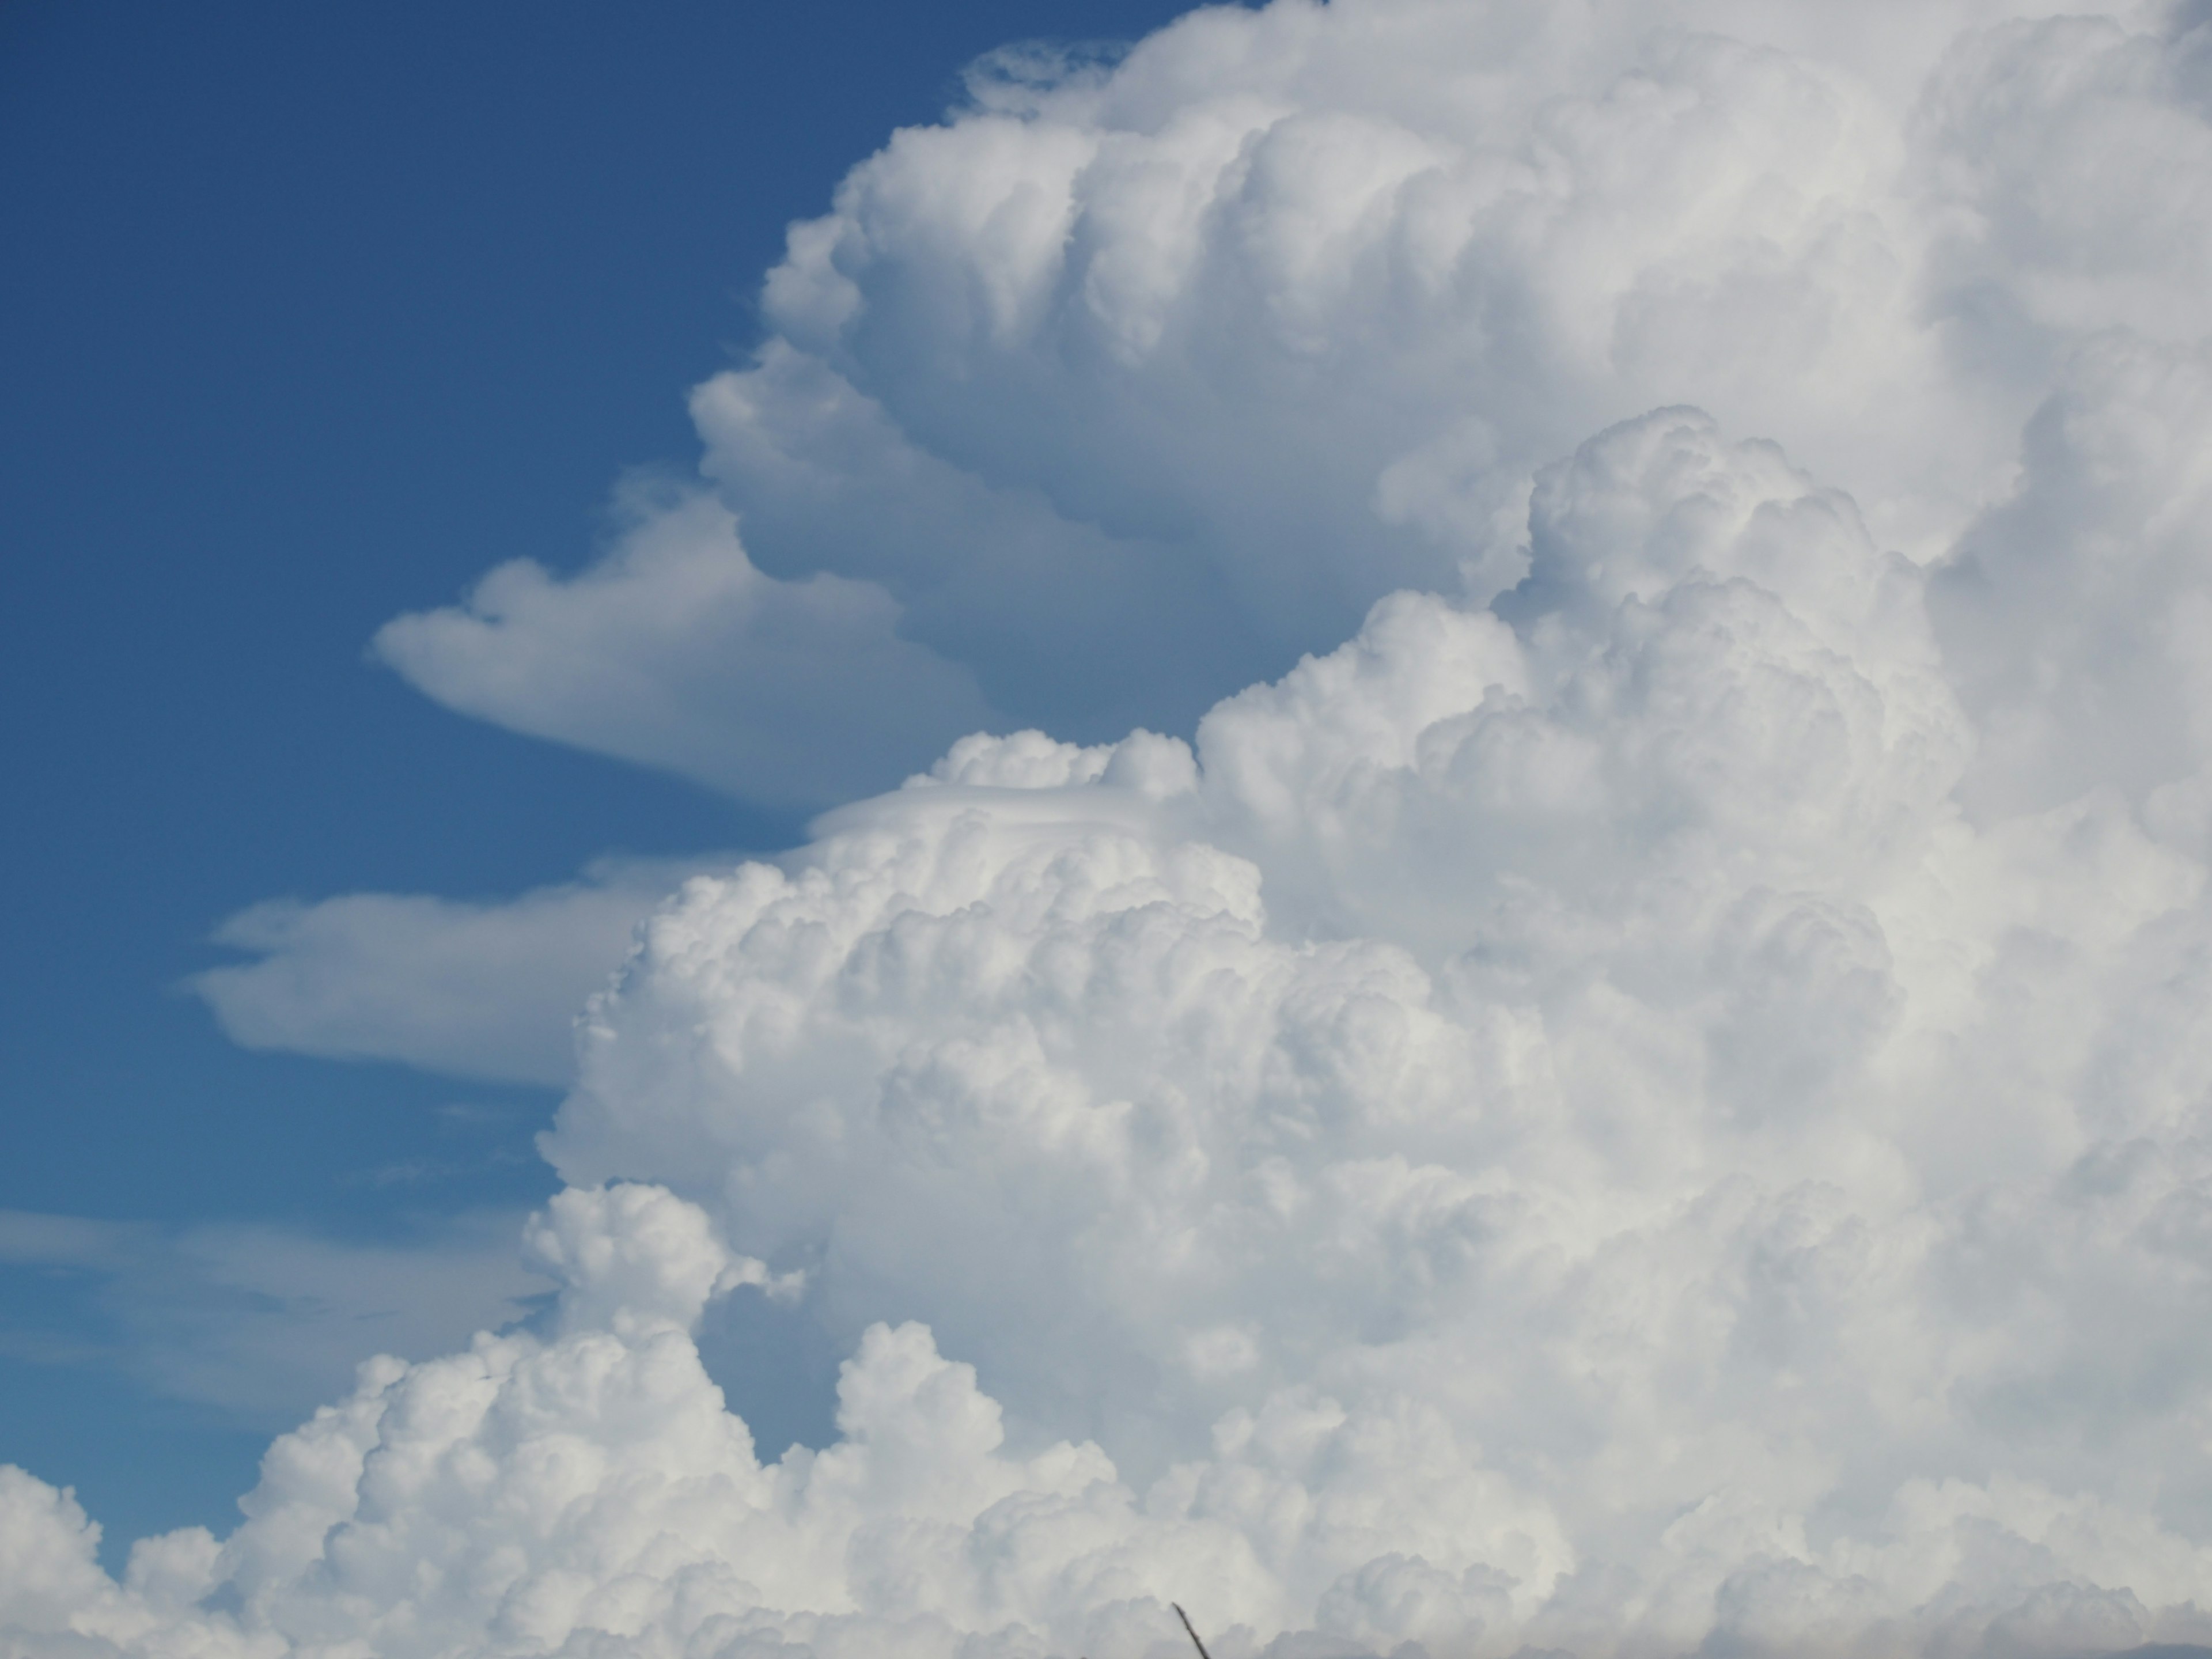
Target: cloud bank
[{"x": 1650, "y": 1100}]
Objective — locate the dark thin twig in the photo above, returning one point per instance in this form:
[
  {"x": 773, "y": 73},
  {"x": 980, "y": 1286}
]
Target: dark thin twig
[{"x": 1194, "y": 1642}]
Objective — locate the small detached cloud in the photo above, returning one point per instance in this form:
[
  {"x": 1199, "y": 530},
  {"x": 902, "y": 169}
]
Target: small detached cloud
[{"x": 1542, "y": 1127}]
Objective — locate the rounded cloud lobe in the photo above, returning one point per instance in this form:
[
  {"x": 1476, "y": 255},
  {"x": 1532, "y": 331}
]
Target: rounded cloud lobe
[{"x": 1652, "y": 1101}]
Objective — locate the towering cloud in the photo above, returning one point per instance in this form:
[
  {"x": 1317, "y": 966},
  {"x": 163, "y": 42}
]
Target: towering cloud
[
  {"x": 1652, "y": 1100},
  {"x": 1121, "y": 389}
]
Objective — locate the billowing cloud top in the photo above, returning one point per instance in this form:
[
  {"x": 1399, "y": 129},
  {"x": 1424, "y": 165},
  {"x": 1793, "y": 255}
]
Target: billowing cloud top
[
  {"x": 1654, "y": 1101},
  {"x": 1125, "y": 387}
]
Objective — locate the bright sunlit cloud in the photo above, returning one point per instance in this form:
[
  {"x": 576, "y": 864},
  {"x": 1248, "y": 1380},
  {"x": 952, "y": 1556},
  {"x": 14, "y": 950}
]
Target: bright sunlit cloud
[{"x": 1620, "y": 1062}]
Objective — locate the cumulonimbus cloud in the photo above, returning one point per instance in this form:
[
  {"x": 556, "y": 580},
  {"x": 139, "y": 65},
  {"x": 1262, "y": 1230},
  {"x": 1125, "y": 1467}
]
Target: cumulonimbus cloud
[{"x": 1651, "y": 1100}]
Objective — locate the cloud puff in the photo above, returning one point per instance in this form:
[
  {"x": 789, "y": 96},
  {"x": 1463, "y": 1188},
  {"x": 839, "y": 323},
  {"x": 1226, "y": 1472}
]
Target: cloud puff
[
  {"x": 1649, "y": 1100},
  {"x": 1584, "y": 1036},
  {"x": 588, "y": 1488}
]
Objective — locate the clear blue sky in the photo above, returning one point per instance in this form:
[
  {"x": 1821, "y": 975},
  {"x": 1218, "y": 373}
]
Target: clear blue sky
[{"x": 311, "y": 313}]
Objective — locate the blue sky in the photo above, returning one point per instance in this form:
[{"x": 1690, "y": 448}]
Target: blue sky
[{"x": 311, "y": 315}]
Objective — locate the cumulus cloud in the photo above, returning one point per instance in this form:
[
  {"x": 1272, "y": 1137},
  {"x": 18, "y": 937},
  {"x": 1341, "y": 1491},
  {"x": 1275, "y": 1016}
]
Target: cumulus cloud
[
  {"x": 484, "y": 990},
  {"x": 1546, "y": 1126},
  {"x": 1123, "y": 387},
  {"x": 1646, "y": 1094},
  {"x": 1573, "y": 1052}
]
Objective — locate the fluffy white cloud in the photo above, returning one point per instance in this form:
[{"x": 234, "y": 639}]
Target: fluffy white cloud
[
  {"x": 487, "y": 990},
  {"x": 1544, "y": 1127},
  {"x": 1120, "y": 388},
  {"x": 1598, "y": 1038},
  {"x": 1652, "y": 1101}
]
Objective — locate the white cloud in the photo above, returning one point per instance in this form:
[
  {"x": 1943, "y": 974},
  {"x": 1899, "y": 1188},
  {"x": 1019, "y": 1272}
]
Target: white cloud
[
  {"x": 1118, "y": 390},
  {"x": 676, "y": 651},
  {"x": 484, "y": 990},
  {"x": 1546, "y": 1127},
  {"x": 1656, "y": 1108}
]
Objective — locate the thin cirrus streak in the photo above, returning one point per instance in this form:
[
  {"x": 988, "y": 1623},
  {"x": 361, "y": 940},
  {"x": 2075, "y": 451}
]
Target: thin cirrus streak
[{"x": 1651, "y": 1100}]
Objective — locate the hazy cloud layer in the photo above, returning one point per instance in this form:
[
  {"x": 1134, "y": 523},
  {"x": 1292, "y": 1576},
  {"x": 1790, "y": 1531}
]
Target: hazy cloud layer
[
  {"x": 261, "y": 1322},
  {"x": 1651, "y": 1100}
]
